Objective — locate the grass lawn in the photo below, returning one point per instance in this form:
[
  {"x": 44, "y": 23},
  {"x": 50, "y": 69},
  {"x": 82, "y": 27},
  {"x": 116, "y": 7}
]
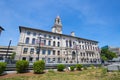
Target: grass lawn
[{"x": 90, "y": 74}]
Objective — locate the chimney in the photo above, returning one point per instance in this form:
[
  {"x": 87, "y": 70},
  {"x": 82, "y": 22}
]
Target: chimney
[{"x": 72, "y": 33}]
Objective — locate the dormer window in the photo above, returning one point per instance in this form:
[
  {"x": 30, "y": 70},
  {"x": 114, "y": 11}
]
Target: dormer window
[
  {"x": 34, "y": 34},
  {"x": 28, "y": 33}
]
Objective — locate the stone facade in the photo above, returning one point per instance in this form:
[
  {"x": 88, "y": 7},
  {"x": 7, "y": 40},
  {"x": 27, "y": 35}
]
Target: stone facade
[{"x": 56, "y": 47}]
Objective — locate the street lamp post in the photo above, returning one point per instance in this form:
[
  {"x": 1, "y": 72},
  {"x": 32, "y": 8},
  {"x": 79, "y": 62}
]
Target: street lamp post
[
  {"x": 77, "y": 55},
  {"x": 38, "y": 49},
  {"x": 76, "y": 47},
  {"x": 6, "y": 57}
]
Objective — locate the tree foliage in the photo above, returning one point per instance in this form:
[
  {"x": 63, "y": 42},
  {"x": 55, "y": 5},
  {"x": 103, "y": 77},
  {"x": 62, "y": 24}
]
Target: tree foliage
[
  {"x": 107, "y": 55},
  {"x": 13, "y": 55}
]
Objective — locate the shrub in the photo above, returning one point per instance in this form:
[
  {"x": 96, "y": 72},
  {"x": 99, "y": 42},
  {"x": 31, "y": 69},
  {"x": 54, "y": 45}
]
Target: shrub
[
  {"x": 79, "y": 66},
  {"x": 39, "y": 67},
  {"x": 22, "y": 66},
  {"x": 72, "y": 68},
  {"x": 2, "y": 67},
  {"x": 60, "y": 67}
]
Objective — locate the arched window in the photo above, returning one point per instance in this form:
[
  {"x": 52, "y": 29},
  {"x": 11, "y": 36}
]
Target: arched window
[
  {"x": 43, "y": 52},
  {"x": 53, "y": 52},
  {"x": 66, "y": 43},
  {"x": 28, "y": 33},
  {"x": 27, "y": 40},
  {"x": 53, "y": 43},
  {"x": 58, "y": 44},
  {"x": 70, "y": 43},
  {"x": 49, "y": 52},
  {"x": 58, "y": 53},
  {"x": 49, "y": 43},
  {"x": 44, "y": 42},
  {"x": 34, "y": 34},
  {"x": 33, "y": 41}
]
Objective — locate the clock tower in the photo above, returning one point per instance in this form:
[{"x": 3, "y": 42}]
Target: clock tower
[{"x": 57, "y": 28}]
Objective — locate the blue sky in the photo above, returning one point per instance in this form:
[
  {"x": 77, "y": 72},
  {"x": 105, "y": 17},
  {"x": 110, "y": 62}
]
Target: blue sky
[{"x": 92, "y": 19}]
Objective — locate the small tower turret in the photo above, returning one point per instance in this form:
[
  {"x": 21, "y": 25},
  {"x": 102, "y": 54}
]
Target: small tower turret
[{"x": 57, "y": 28}]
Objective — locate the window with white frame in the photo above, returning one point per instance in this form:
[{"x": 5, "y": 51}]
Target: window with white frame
[
  {"x": 31, "y": 50},
  {"x": 25, "y": 50},
  {"x": 27, "y": 40}
]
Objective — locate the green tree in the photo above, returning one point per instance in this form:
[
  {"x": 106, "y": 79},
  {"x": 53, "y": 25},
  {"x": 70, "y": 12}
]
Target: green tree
[
  {"x": 13, "y": 56},
  {"x": 107, "y": 55}
]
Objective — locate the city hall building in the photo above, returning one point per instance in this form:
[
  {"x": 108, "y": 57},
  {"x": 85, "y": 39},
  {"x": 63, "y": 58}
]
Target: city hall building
[{"x": 55, "y": 47}]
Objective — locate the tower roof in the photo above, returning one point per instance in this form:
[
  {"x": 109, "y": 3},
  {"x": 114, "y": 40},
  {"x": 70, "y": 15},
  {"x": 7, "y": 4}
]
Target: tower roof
[
  {"x": 58, "y": 17},
  {"x": 58, "y": 21}
]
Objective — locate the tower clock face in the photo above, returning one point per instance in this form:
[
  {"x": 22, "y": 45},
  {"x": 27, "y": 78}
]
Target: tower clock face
[{"x": 58, "y": 29}]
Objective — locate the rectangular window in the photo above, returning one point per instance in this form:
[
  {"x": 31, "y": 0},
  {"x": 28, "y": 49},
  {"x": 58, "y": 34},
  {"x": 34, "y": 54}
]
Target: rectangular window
[
  {"x": 49, "y": 43},
  {"x": 82, "y": 46},
  {"x": 53, "y": 52},
  {"x": 30, "y": 59},
  {"x": 28, "y": 33},
  {"x": 25, "y": 50},
  {"x": 36, "y": 58},
  {"x": 66, "y": 43},
  {"x": 43, "y": 51},
  {"x": 44, "y": 42},
  {"x": 49, "y": 36},
  {"x": 70, "y": 43},
  {"x": 58, "y": 38},
  {"x": 31, "y": 50},
  {"x": 43, "y": 59},
  {"x": 53, "y": 59},
  {"x": 48, "y": 60},
  {"x": 45, "y": 35},
  {"x": 24, "y": 58},
  {"x": 58, "y": 60},
  {"x": 34, "y": 34},
  {"x": 49, "y": 52},
  {"x": 54, "y": 37},
  {"x": 58, "y": 53}
]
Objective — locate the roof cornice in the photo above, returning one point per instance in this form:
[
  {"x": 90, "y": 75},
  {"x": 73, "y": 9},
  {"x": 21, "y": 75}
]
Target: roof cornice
[{"x": 20, "y": 27}]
